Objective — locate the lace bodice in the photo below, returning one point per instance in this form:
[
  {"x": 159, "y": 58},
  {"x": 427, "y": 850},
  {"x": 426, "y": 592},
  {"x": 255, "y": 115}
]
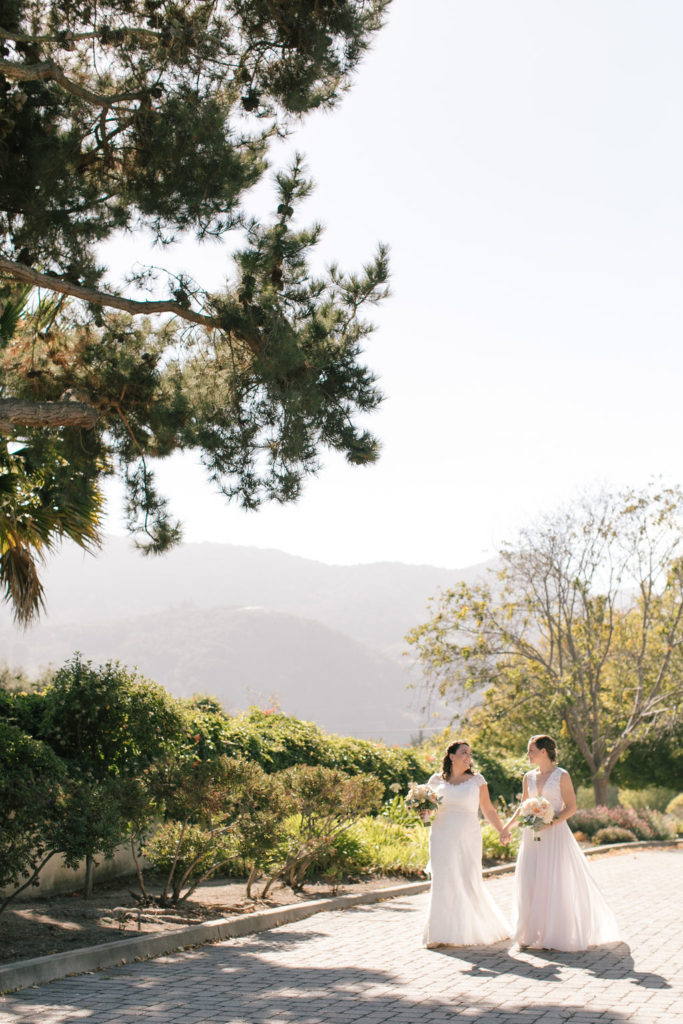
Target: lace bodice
[
  {"x": 550, "y": 787},
  {"x": 464, "y": 796}
]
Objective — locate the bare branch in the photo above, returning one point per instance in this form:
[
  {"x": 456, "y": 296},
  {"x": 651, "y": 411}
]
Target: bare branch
[{"x": 27, "y": 275}]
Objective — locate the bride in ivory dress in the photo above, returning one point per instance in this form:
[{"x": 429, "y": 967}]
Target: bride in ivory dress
[
  {"x": 461, "y": 911},
  {"x": 557, "y": 903}
]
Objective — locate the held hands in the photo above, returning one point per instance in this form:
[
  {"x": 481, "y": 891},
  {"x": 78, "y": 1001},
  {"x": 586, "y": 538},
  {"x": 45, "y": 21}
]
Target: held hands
[{"x": 504, "y": 835}]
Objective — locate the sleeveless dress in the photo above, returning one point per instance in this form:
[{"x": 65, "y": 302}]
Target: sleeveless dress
[
  {"x": 557, "y": 904},
  {"x": 461, "y": 911}
]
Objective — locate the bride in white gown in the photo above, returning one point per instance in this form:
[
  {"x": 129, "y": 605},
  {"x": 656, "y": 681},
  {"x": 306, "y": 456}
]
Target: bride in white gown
[
  {"x": 557, "y": 903},
  {"x": 461, "y": 911}
]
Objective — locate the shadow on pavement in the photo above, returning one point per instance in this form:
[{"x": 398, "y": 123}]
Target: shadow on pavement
[
  {"x": 613, "y": 961},
  {"x": 243, "y": 985},
  {"x": 605, "y": 962}
]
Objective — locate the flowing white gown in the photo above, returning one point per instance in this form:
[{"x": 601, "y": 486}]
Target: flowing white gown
[
  {"x": 557, "y": 903},
  {"x": 461, "y": 911}
]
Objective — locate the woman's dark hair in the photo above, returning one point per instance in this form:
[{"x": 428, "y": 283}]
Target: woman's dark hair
[
  {"x": 546, "y": 743},
  {"x": 446, "y": 765}
]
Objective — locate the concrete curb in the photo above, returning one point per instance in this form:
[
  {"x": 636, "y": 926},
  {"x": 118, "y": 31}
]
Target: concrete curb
[
  {"x": 42, "y": 969},
  {"x": 81, "y": 961}
]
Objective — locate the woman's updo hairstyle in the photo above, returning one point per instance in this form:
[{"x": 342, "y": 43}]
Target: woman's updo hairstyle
[
  {"x": 446, "y": 765},
  {"x": 546, "y": 743}
]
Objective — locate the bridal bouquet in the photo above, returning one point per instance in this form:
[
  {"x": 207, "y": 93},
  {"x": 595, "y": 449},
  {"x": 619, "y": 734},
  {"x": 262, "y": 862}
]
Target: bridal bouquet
[
  {"x": 423, "y": 799},
  {"x": 536, "y": 811}
]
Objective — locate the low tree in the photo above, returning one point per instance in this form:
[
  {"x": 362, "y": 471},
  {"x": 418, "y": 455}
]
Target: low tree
[
  {"x": 32, "y": 782},
  {"x": 327, "y": 802},
  {"x": 582, "y": 627},
  {"x": 109, "y": 725},
  {"x": 204, "y": 803},
  {"x": 155, "y": 117}
]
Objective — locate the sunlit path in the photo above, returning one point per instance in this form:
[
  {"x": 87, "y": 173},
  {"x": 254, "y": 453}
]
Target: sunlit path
[{"x": 366, "y": 964}]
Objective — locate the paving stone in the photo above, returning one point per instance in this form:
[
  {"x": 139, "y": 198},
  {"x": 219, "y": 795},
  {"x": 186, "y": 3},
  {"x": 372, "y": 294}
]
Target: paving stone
[{"x": 365, "y": 965}]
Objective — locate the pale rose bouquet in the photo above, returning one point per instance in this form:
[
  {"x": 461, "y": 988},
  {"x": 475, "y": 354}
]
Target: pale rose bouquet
[
  {"x": 423, "y": 799},
  {"x": 536, "y": 811}
]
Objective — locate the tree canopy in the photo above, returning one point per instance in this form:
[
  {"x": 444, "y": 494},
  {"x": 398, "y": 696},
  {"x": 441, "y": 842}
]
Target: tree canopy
[
  {"x": 581, "y": 629},
  {"x": 155, "y": 117}
]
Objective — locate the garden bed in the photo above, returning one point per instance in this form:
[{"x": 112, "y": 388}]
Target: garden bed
[{"x": 56, "y": 924}]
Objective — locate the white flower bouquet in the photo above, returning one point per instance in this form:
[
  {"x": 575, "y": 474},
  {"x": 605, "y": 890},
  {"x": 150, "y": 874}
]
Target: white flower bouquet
[
  {"x": 536, "y": 811},
  {"x": 423, "y": 799}
]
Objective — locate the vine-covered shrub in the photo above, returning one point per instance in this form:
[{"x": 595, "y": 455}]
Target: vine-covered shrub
[{"x": 277, "y": 741}]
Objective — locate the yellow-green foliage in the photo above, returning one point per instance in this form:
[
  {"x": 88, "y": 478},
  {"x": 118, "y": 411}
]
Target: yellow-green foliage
[
  {"x": 657, "y": 798},
  {"x": 493, "y": 849},
  {"x": 675, "y": 809},
  {"x": 585, "y": 797},
  {"x": 392, "y": 849}
]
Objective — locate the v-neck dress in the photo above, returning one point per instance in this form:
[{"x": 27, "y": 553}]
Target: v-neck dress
[{"x": 557, "y": 903}]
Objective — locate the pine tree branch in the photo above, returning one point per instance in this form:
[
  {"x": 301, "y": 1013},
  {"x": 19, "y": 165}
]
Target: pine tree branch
[
  {"x": 49, "y": 71},
  {"x": 20, "y": 272},
  {"x": 65, "y": 38},
  {"x": 16, "y": 412}
]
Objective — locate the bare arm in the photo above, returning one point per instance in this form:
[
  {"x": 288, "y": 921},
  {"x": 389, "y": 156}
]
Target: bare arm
[
  {"x": 490, "y": 813},
  {"x": 569, "y": 798},
  {"x": 525, "y": 793}
]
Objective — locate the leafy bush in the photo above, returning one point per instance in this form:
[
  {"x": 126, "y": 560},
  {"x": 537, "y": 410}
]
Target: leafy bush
[
  {"x": 327, "y": 802},
  {"x": 277, "y": 741},
  {"x": 645, "y": 824},
  {"x": 655, "y": 797},
  {"x": 204, "y": 802},
  {"x": 393, "y": 848},
  {"x": 585, "y": 797},
  {"x": 675, "y": 808},
  {"x": 31, "y": 780},
  {"x": 348, "y": 855},
  {"x": 183, "y": 848},
  {"x": 493, "y": 849},
  {"x": 660, "y": 826},
  {"x": 613, "y": 834}
]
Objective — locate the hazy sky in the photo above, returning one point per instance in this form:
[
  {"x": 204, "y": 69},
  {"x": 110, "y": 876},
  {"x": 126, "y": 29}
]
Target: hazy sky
[{"x": 524, "y": 162}]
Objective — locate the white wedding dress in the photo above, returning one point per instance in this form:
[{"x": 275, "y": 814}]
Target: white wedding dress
[
  {"x": 461, "y": 911},
  {"x": 557, "y": 903}
]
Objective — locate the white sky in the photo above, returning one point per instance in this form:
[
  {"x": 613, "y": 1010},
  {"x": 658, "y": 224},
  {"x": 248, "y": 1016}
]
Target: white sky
[{"x": 524, "y": 162}]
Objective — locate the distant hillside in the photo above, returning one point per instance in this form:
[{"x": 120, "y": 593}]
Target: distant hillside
[
  {"x": 244, "y": 624},
  {"x": 245, "y": 656},
  {"x": 375, "y": 603}
]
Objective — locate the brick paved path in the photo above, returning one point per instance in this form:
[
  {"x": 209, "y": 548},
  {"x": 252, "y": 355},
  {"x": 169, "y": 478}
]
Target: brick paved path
[{"x": 366, "y": 965}]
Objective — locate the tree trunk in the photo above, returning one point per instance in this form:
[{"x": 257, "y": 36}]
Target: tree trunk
[
  {"x": 138, "y": 869},
  {"x": 600, "y": 784},
  {"x": 251, "y": 880},
  {"x": 88, "y": 885}
]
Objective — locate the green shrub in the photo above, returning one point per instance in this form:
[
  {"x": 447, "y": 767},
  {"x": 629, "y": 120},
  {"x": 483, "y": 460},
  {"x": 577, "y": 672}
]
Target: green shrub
[
  {"x": 393, "y": 848},
  {"x": 675, "y": 808},
  {"x": 347, "y": 856},
  {"x": 327, "y": 802},
  {"x": 493, "y": 849},
  {"x": 656, "y": 798},
  {"x": 585, "y": 797},
  {"x": 613, "y": 834},
  {"x": 191, "y": 847},
  {"x": 277, "y": 742}
]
